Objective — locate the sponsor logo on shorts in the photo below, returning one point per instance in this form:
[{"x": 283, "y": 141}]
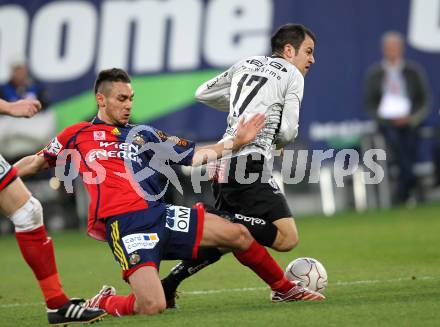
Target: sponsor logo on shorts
[
  {"x": 136, "y": 242},
  {"x": 253, "y": 221},
  {"x": 4, "y": 167},
  {"x": 54, "y": 147},
  {"x": 177, "y": 218}
]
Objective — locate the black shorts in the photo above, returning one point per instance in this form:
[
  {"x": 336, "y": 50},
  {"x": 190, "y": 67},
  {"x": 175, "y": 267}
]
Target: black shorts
[{"x": 262, "y": 198}]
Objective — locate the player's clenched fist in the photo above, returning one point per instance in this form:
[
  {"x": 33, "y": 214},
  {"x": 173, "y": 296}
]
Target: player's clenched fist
[{"x": 25, "y": 108}]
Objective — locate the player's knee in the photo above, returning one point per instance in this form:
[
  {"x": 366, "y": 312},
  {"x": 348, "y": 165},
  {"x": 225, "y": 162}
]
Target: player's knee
[
  {"x": 286, "y": 246},
  {"x": 151, "y": 307},
  {"x": 29, "y": 217},
  {"x": 243, "y": 236},
  {"x": 292, "y": 241},
  {"x": 287, "y": 242}
]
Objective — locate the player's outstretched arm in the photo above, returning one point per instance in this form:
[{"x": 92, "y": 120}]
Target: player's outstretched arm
[
  {"x": 21, "y": 108},
  {"x": 30, "y": 165},
  {"x": 215, "y": 93},
  {"x": 246, "y": 132}
]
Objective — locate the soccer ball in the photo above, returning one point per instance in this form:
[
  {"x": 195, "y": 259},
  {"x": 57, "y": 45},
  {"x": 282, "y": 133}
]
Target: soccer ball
[{"x": 310, "y": 272}]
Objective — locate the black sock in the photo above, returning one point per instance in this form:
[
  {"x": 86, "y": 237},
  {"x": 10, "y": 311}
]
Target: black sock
[{"x": 187, "y": 268}]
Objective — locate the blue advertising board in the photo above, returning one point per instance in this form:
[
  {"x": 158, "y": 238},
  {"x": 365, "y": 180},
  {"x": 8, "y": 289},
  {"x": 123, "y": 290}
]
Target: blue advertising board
[{"x": 170, "y": 47}]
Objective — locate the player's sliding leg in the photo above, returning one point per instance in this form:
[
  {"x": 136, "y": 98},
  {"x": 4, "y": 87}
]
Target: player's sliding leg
[
  {"x": 100, "y": 300},
  {"x": 148, "y": 296},
  {"x": 265, "y": 233},
  {"x": 217, "y": 232},
  {"x": 37, "y": 249},
  {"x": 185, "y": 269}
]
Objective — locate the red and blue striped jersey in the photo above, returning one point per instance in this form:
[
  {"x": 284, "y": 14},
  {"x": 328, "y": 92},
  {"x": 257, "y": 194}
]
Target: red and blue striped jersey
[{"x": 123, "y": 167}]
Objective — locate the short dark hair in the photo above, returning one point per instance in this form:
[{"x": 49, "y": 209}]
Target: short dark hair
[
  {"x": 293, "y": 34},
  {"x": 110, "y": 75}
]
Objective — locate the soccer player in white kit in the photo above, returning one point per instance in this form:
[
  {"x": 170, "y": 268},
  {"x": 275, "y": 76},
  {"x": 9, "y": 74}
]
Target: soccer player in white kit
[{"x": 273, "y": 86}]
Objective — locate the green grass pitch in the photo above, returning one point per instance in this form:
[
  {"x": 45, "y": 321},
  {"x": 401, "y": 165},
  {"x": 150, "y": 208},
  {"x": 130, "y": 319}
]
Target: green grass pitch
[{"x": 383, "y": 267}]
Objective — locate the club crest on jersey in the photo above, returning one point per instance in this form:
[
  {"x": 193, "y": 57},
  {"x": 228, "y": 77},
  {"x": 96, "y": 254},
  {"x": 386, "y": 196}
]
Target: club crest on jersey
[
  {"x": 115, "y": 131},
  {"x": 99, "y": 135},
  {"x": 177, "y": 218},
  {"x": 139, "y": 140}
]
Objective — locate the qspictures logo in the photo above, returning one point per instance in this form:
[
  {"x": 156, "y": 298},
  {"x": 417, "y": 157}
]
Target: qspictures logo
[{"x": 156, "y": 156}]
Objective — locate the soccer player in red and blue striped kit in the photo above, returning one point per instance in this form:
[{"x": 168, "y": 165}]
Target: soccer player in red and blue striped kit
[{"x": 121, "y": 165}]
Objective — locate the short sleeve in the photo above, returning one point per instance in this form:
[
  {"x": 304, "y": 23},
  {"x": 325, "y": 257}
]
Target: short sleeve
[{"x": 60, "y": 142}]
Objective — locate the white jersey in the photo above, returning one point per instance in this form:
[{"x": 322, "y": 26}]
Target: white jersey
[{"x": 260, "y": 84}]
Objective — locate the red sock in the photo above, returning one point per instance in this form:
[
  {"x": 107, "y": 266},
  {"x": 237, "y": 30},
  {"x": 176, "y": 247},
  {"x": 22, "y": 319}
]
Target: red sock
[
  {"x": 37, "y": 250},
  {"x": 118, "y": 306},
  {"x": 259, "y": 260}
]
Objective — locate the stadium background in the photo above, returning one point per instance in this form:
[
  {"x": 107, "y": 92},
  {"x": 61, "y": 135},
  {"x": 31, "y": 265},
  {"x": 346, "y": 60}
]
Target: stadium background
[{"x": 170, "y": 47}]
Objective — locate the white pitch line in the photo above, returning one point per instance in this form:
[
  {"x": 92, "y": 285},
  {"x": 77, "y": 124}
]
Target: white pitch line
[
  {"x": 226, "y": 290},
  {"x": 376, "y": 281},
  {"x": 337, "y": 283},
  {"x": 14, "y": 305},
  {"x": 249, "y": 289}
]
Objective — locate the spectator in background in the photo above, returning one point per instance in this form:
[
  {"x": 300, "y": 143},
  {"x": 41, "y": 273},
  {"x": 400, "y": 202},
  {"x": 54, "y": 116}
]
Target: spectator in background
[
  {"x": 397, "y": 96},
  {"x": 22, "y": 86}
]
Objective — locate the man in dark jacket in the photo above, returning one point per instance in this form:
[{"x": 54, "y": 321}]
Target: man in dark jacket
[{"x": 397, "y": 96}]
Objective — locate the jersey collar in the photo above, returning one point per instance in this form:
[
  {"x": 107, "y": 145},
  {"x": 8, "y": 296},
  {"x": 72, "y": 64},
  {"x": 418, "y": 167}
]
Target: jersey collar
[{"x": 97, "y": 121}]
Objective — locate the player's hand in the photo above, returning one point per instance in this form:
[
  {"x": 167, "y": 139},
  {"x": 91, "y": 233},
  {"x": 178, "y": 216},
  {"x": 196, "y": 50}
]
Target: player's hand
[
  {"x": 24, "y": 108},
  {"x": 247, "y": 131}
]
